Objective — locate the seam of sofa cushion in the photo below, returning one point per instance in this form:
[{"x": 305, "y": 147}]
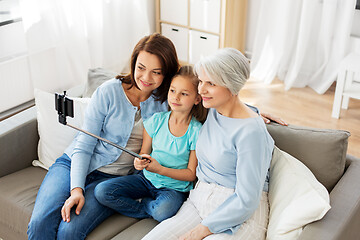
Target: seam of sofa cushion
[{"x": 318, "y": 130}]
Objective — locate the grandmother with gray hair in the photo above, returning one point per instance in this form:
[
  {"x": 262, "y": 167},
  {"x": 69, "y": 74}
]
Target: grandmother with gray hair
[{"x": 234, "y": 150}]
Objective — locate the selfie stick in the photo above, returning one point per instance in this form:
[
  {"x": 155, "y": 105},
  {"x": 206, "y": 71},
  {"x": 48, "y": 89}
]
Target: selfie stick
[{"x": 64, "y": 106}]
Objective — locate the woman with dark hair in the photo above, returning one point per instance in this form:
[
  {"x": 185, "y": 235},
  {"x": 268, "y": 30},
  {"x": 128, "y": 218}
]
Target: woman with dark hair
[{"x": 65, "y": 207}]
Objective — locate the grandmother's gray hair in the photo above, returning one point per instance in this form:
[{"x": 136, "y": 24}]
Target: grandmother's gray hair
[{"x": 227, "y": 67}]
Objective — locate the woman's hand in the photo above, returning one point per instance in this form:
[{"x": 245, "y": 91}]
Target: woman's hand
[
  {"x": 76, "y": 198},
  {"x": 197, "y": 233},
  {"x": 268, "y": 117}
]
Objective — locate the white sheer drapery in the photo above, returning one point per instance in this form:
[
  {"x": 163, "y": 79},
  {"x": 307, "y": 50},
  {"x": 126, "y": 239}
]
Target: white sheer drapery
[
  {"x": 65, "y": 38},
  {"x": 301, "y": 41}
]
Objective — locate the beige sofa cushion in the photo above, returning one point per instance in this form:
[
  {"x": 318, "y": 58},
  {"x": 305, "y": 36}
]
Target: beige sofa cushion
[
  {"x": 111, "y": 227},
  {"x": 18, "y": 194},
  {"x": 137, "y": 231},
  {"x": 323, "y": 151},
  {"x": 17, "y": 198}
]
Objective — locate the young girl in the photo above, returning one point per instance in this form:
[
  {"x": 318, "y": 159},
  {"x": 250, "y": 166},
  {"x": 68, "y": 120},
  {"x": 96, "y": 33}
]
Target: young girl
[{"x": 169, "y": 172}]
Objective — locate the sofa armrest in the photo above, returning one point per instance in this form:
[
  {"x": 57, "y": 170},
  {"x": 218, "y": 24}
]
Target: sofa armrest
[
  {"x": 18, "y": 141},
  {"x": 342, "y": 220}
]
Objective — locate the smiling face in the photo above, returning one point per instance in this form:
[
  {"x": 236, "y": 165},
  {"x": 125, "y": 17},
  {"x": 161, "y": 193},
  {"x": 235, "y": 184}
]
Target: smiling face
[
  {"x": 213, "y": 96},
  {"x": 148, "y": 72},
  {"x": 182, "y": 94}
]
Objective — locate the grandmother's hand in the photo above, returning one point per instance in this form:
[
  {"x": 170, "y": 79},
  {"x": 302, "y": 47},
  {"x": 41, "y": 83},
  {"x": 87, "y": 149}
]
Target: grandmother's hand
[
  {"x": 197, "y": 233},
  {"x": 268, "y": 117}
]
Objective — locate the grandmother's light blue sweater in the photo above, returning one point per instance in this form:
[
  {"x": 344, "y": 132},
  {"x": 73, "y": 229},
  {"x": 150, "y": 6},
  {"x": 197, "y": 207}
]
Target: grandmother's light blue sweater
[{"x": 234, "y": 153}]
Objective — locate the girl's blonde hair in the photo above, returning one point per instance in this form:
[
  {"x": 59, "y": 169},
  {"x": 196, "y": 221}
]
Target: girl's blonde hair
[{"x": 198, "y": 111}]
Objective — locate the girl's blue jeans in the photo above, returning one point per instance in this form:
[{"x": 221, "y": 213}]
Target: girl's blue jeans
[
  {"x": 123, "y": 194},
  {"x": 46, "y": 222}
]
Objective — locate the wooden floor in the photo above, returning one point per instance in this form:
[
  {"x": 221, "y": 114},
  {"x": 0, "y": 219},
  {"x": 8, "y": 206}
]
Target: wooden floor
[{"x": 303, "y": 106}]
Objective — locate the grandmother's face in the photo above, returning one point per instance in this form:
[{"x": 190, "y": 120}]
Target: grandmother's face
[{"x": 213, "y": 96}]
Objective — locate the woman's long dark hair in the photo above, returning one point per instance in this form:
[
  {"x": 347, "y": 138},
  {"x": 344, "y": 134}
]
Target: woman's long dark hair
[{"x": 164, "y": 49}]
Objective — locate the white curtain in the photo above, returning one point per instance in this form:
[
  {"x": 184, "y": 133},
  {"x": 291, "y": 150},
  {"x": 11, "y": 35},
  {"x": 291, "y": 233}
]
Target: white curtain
[
  {"x": 301, "y": 41},
  {"x": 65, "y": 37}
]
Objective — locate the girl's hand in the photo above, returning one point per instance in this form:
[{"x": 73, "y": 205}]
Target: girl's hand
[
  {"x": 76, "y": 198},
  {"x": 268, "y": 117},
  {"x": 154, "y": 166},
  {"x": 197, "y": 233},
  {"x": 140, "y": 164}
]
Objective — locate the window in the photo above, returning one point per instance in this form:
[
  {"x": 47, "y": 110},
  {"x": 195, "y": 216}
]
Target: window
[
  {"x": 12, "y": 37},
  {"x": 13, "y": 61},
  {"x": 9, "y": 12}
]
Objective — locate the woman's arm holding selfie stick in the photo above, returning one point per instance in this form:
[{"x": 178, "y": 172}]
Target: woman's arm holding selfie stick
[{"x": 64, "y": 107}]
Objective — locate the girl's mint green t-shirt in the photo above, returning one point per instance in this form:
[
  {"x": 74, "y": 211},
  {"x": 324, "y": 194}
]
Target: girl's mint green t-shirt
[{"x": 170, "y": 151}]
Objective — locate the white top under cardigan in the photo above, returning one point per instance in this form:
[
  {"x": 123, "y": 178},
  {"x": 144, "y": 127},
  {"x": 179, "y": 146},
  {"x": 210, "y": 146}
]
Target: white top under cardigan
[{"x": 234, "y": 153}]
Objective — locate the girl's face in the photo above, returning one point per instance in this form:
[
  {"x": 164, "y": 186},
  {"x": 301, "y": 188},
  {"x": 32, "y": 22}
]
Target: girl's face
[
  {"x": 182, "y": 94},
  {"x": 213, "y": 96},
  {"x": 148, "y": 72}
]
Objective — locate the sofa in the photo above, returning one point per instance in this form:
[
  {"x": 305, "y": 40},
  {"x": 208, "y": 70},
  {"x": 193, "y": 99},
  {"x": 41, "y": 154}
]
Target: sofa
[{"x": 322, "y": 151}]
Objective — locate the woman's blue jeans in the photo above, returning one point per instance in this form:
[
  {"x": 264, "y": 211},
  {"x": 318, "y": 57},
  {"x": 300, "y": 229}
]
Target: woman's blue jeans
[
  {"x": 123, "y": 194},
  {"x": 46, "y": 222}
]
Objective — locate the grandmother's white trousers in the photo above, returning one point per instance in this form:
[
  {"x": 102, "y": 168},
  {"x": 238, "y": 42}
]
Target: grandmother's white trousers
[{"x": 203, "y": 200}]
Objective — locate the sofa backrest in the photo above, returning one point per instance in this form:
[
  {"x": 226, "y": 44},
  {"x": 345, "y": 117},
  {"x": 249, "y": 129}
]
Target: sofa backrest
[
  {"x": 18, "y": 141},
  {"x": 323, "y": 151}
]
